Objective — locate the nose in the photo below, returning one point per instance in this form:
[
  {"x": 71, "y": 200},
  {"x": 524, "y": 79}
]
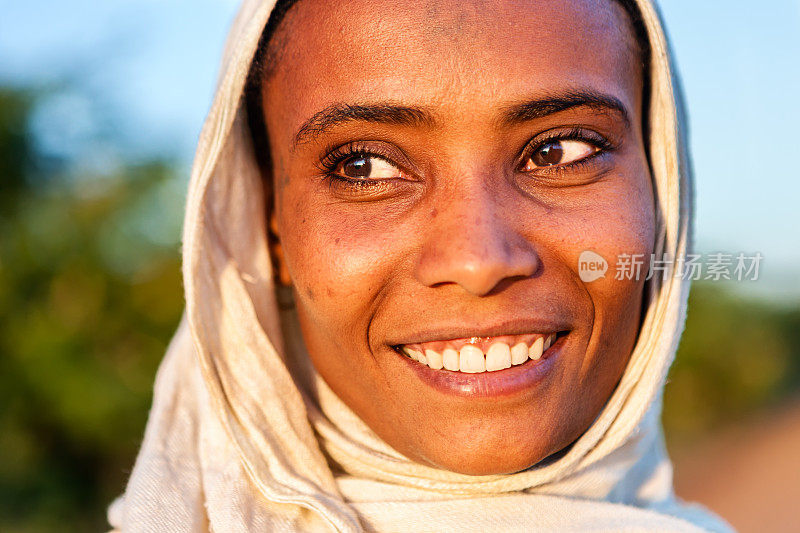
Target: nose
[{"x": 472, "y": 242}]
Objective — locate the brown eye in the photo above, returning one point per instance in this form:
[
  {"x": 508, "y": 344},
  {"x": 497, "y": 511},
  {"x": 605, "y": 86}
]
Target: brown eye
[
  {"x": 548, "y": 154},
  {"x": 368, "y": 167},
  {"x": 559, "y": 152}
]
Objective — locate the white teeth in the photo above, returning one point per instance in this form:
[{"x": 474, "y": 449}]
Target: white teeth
[
  {"x": 519, "y": 353},
  {"x": 548, "y": 342},
  {"x": 434, "y": 359},
  {"x": 536, "y": 349},
  {"x": 498, "y": 357},
  {"x": 450, "y": 359},
  {"x": 416, "y": 356},
  {"x": 471, "y": 359}
]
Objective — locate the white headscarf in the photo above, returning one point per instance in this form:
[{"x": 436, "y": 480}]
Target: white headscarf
[{"x": 244, "y": 435}]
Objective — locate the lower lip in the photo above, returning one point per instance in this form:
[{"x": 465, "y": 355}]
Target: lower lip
[{"x": 506, "y": 382}]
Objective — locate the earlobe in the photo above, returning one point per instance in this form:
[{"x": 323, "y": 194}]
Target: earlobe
[{"x": 276, "y": 252}]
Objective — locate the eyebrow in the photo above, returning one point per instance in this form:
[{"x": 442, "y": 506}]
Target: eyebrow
[
  {"x": 388, "y": 113},
  {"x": 376, "y": 113},
  {"x": 539, "y": 108}
]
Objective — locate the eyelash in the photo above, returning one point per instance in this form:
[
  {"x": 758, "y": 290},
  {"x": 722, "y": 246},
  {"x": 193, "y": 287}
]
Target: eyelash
[
  {"x": 343, "y": 153},
  {"x": 602, "y": 144},
  {"x": 328, "y": 164}
]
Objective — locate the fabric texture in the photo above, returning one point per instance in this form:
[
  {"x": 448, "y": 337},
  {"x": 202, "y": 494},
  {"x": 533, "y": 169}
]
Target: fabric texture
[{"x": 244, "y": 435}]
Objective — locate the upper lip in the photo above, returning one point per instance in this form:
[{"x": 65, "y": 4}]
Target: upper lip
[{"x": 447, "y": 332}]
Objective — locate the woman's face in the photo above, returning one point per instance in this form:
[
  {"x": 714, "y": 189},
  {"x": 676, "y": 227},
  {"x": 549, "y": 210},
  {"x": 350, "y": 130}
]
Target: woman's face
[{"x": 439, "y": 166}]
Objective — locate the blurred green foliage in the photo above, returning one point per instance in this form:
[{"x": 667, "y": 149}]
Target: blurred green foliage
[
  {"x": 90, "y": 293},
  {"x": 737, "y": 356}
]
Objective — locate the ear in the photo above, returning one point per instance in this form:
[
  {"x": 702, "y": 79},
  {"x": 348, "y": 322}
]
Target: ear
[{"x": 276, "y": 252}]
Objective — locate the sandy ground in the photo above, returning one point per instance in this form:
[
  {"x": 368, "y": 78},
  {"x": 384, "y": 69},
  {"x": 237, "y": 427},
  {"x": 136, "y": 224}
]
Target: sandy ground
[{"x": 748, "y": 474}]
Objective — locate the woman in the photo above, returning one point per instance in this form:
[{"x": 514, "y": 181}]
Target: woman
[{"x": 387, "y": 328}]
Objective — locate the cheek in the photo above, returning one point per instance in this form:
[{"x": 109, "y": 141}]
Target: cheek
[
  {"x": 622, "y": 229},
  {"x": 617, "y": 302},
  {"x": 612, "y": 218},
  {"x": 620, "y": 223},
  {"x": 338, "y": 263},
  {"x": 616, "y": 231}
]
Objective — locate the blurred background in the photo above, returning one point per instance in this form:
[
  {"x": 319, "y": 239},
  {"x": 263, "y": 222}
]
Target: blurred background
[{"x": 101, "y": 104}]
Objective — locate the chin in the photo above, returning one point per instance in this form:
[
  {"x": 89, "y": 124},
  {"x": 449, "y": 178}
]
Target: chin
[
  {"x": 485, "y": 464},
  {"x": 484, "y": 453},
  {"x": 493, "y": 466}
]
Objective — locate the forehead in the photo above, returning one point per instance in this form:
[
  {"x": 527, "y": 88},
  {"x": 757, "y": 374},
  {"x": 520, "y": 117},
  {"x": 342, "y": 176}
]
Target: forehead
[{"x": 449, "y": 54}]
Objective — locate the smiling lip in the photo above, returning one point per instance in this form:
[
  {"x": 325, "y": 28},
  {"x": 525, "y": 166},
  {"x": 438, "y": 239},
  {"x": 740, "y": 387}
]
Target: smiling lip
[
  {"x": 482, "y": 330},
  {"x": 498, "y": 383}
]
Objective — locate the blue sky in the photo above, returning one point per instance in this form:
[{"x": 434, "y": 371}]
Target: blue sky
[{"x": 154, "y": 63}]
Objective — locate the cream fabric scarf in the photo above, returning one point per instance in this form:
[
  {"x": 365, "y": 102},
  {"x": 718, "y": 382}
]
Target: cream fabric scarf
[{"x": 243, "y": 435}]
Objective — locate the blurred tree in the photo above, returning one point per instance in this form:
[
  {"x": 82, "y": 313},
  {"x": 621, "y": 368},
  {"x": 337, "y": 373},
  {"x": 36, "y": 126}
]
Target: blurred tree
[
  {"x": 14, "y": 145},
  {"x": 90, "y": 292},
  {"x": 737, "y": 355}
]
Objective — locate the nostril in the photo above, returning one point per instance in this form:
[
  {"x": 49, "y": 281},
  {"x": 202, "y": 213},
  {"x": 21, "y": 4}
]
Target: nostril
[{"x": 479, "y": 271}]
